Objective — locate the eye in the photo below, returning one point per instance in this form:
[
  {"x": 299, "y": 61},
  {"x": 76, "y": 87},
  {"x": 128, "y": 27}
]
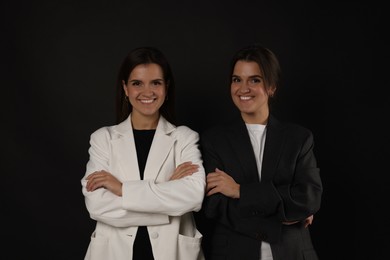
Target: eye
[
  {"x": 157, "y": 82},
  {"x": 136, "y": 83},
  {"x": 255, "y": 80},
  {"x": 236, "y": 79}
]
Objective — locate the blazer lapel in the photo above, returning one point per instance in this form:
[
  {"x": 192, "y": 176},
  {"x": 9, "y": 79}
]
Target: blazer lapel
[
  {"x": 160, "y": 149},
  {"x": 241, "y": 143},
  {"x": 124, "y": 147},
  {"x": 273, "y": 145},
  {"x": 272, "y": 149}
]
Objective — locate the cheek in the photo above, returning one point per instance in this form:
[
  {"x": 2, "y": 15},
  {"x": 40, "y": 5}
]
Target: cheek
[
  {"x": 132, "y": 92},
  {"x": 262, "y": 91},
  {"x": 162, "y": 91},
  {"x": 234, "y": 89}
]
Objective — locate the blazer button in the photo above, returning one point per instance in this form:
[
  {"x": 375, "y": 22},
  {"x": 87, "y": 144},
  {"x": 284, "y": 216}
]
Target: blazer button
[{"x": 154, "y": 235}]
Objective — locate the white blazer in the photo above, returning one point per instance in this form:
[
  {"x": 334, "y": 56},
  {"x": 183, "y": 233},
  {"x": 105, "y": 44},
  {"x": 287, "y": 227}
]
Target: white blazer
[{"x": 165, "y": 207}]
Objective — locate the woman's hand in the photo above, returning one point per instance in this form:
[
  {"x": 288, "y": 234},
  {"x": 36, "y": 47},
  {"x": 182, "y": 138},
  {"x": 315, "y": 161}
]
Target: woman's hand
[
  {"x": 307, "y": 221},
  {"x": 183, "y": 170},
  {"x": 103, "y": 179},
  {"x": 220, "y": 181}
]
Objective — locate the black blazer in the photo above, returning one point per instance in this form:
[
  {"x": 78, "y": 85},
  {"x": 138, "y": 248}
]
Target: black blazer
[{"x": 290, "y": 189}]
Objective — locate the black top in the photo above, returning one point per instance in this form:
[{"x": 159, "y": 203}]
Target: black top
[
  {"x": 142, "y": 249},
  {"x": 143, "y": 140}
]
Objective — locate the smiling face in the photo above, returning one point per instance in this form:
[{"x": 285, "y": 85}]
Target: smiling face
[
  {"x": 146, "y": 91},
  {"x": 249, "y": 92}
]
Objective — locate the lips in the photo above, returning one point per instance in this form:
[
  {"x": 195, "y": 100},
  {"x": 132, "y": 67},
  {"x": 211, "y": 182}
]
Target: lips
[
  {"x": 244, "y": 98},
  {"x": 146, "y": 101}
]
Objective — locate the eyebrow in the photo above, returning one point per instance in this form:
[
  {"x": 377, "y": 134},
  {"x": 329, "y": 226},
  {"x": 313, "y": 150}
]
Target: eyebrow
[
  {"x": 158, "y": 79},
  {"x": 252, "y": 76}
]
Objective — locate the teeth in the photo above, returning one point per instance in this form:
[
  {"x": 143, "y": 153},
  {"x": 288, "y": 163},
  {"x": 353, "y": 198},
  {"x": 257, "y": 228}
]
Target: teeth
[
  {"x": 245, "y": 98},
  {"x": 147, "y": 101}
]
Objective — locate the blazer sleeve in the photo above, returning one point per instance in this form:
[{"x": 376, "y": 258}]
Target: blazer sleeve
[
  {"x": 298, "y": 180},
  {"x": 173, "y": 198},
  {"x": 102, "y": 204}
]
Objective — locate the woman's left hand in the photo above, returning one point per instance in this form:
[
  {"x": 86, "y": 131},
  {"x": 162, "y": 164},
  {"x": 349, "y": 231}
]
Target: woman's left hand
[
  {"x": 307, "y": 221},
  {"x": 183, "y": 170}
]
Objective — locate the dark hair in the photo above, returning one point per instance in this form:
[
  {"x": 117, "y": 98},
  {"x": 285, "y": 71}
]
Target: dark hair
[
  {"x": 138, "y": 56},
  {"x": 265, "y": 58}
]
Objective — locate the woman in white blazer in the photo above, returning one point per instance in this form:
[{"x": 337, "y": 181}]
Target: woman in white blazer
[{"x": 144, "y": 177}]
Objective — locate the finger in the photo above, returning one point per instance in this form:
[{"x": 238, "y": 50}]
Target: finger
[
  {"x": 212, "y": 176},
  {"x": 90, "y": 176},
  {"x": 184, "y": 164},
  {"x": 91, "y": 184},
  {"x": 211, "y": 185},
  {"x": 218, "y": 170},
  {"x": 95, "y": 182},
  {"x": 184, "y": 172},
  {"x": 212, "y": 191},
  {"x": 95, "y": 174},
  {"x": 190, "y": 167},
  {"x": 308, "y": 222},
  {"x": 182, "y": 167}
]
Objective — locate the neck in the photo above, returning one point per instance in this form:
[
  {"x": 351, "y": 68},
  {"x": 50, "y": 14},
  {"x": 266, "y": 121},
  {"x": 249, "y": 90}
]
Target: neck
[
  {"x": 144, "y": 122},
  {"x": 256, "y": 118}
]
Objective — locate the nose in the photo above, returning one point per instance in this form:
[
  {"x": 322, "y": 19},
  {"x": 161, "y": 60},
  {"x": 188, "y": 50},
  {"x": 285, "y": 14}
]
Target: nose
[
  {"x": 149, "y": 90},
  {"x": 244, "y": 88}
]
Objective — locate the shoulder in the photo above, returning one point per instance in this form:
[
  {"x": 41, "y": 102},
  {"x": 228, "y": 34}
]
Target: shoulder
[
  {"x": 175, "y": 131},
  {"x": 234, "y": 127},
  {"x": 102, "y": 133},
  {"x": 298, "y": 129},
  {"x": 214, "y": 130},
  {"x": 184, "y": 132},
  {"x": 291, "y": 129}
]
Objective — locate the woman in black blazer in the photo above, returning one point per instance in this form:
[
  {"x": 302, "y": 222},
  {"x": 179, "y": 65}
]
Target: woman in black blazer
[{"x": 263, "y": 182}]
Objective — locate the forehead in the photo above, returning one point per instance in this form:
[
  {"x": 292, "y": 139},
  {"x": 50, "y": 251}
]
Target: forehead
[
  {"x": 246, "y": 68},
  {"x": 151, "y": 70}
]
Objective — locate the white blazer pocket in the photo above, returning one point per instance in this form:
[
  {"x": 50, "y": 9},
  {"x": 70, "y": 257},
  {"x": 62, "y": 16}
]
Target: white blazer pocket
[{"x": 189, "y": 248}]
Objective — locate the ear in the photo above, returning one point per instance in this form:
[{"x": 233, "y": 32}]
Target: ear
[
  {"x": 271, "y": 91},
  {"x": 124, "y": 87}
]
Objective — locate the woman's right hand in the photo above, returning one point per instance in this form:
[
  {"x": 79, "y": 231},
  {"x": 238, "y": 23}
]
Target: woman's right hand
[{"x": 103, "y": 179}]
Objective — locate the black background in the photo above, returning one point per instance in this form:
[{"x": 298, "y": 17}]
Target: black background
[{"x": 59, "y": 62}]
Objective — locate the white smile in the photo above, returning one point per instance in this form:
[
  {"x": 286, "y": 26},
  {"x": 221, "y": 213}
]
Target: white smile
[
  {"x": 146, "y": 101},
  {"x": 245, "y": 98}
]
